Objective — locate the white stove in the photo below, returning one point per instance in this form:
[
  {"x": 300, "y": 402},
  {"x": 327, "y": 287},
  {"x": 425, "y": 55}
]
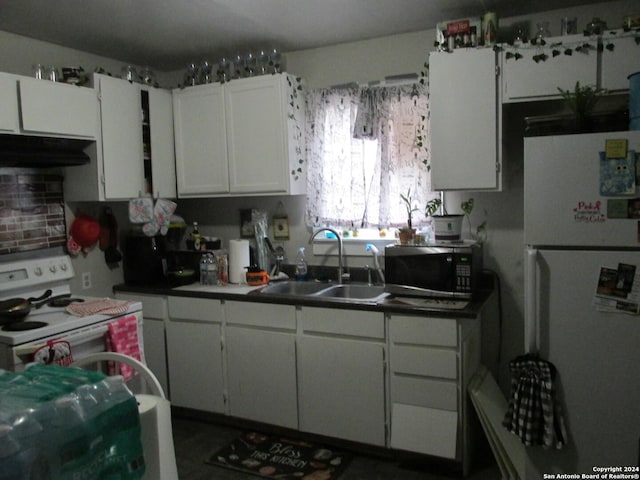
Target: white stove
[{"x": 31, "y": 278}]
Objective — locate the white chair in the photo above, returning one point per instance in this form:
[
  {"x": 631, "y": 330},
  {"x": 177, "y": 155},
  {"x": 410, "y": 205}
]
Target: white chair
[{"x": 155, "y": 418}]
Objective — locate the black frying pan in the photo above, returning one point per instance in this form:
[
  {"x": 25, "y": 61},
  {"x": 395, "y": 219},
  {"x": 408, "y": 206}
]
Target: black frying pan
[{"x": 15, "y": 309}]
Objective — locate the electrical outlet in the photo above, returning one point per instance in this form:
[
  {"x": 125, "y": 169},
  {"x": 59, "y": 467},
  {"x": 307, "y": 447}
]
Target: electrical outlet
[{"x": 86, "y": 280}]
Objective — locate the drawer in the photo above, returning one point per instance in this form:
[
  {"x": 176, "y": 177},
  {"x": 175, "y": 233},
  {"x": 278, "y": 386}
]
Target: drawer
[
  {"x": 261, "y": 315},
  {"x": 424, "y": 392},
  {"x": 424, "y": 430},
  {"x": 412, "y": 329},
  {"x": 186, "y": 308},
  {"x": 428, "y": 362},
  {"x": 342, "y": 322},
  {"x": 153, "y": 306}
]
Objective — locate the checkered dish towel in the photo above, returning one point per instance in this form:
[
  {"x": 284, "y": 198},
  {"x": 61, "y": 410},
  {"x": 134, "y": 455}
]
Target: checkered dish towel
[
  {"x": 534, "y": 413},
  {"x": 100, "y": 306}
]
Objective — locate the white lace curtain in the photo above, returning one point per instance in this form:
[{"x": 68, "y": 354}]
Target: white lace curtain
[{"x": 366, "y": 146}]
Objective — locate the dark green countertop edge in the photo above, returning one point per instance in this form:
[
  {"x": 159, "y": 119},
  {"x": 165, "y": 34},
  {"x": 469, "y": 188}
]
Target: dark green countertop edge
[{"x": 470, "y": 311}]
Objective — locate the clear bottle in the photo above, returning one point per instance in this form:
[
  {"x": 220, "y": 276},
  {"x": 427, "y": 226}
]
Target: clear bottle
[
  {"x": 14, "y": 460},
  {"x": 301, "y": 265},
  {"x": 204, "y": 269},
  {"x": 196, "y": 236},
  {"x": 212, "y": 270}
]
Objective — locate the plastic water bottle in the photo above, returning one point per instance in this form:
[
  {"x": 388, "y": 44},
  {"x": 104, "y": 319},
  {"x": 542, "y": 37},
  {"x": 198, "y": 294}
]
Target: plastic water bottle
[
  {"x": 301, "y": 265},
  {"x": 212, "y": 269},
  {"x": 14, "y": 460},
  {"x": 203, "y": 269}
]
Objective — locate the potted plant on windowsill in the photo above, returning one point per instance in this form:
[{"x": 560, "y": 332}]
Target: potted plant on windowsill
[{"x": 405, "y": 234}]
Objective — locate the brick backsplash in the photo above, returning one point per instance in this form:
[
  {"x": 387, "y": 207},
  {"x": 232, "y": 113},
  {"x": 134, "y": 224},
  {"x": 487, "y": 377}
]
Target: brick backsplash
[{"x": 31, "y": 211}]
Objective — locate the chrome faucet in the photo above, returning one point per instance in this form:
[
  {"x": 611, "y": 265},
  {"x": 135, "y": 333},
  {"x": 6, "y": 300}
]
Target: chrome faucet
[{"x": 340, "y": 260}]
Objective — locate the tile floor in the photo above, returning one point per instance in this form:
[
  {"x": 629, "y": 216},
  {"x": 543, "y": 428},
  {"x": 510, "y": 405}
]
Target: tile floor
[{"x": 195, "y": 440}]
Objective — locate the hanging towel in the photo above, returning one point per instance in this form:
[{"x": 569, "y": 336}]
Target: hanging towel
[
  {"x": 534, "y": 413},
  {"x": 122, "y": 337}
]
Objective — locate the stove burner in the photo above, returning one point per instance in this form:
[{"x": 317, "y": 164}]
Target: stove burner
[
  {"x": 63, "y": 301},
  {"x": 20, "y": 326}
]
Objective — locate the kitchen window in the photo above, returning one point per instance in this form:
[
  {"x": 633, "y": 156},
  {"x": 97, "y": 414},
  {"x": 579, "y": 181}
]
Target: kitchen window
[{"x": 366, "y": 146}]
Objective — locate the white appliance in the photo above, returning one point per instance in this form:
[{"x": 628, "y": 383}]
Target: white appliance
[
  {"x": 570, "y": 235},
  {"x": 30, "y": 278}
]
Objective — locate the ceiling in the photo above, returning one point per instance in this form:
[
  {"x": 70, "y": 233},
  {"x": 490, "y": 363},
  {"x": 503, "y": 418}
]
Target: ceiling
[{"x": 168, "y": 34}]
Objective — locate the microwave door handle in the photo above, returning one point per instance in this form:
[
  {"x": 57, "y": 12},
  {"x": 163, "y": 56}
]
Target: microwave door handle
[{"x": 73, "y": 339}]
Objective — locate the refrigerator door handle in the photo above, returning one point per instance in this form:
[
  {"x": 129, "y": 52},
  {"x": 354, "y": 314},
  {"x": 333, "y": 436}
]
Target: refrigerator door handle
[{"x": 531, "y": 330}]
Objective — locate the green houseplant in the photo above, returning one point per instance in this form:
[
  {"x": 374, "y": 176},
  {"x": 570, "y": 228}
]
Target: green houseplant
[
  {"x": 406, "y": 233},
  {"x": 582, "y": 101},
  {"x": 446, "y": 226},
  {"x": 449, "y": 226}
]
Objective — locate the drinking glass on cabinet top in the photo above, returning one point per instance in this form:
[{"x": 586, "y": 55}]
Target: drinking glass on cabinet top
[
  {"x": 40, "y": 71},
  {"x": 223, "y": 69},
  {"x": 542, "y": 30}
]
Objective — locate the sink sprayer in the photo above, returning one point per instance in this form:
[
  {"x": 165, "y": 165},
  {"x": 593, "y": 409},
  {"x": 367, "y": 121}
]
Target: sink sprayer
[{"x": 375, "y": 252}]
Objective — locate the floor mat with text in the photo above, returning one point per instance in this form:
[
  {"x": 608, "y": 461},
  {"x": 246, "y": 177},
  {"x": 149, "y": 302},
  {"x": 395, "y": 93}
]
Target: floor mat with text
[{"x": 281, "y": 458}]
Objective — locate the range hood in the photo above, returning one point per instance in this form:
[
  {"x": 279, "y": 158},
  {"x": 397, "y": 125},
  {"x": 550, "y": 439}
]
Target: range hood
[{"x": 29, "y": 151}]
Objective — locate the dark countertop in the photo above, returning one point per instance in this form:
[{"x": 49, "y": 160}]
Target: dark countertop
[{"x": 242, "y": 293}]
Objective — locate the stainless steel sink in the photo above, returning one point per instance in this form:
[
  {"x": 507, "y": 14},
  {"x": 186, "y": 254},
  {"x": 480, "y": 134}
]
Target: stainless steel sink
[
  {"x": 292, "y": 288},
  {"x": 352, "y": 291},
  {"x": 331, "y": 292}
]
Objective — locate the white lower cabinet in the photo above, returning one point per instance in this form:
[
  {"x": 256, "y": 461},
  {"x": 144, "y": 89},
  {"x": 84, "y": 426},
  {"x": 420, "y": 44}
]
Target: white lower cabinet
[
  {"x": 341, "y": 381},
  {"x": 155, "y": 316},
  {"x": 260, "y": 346},
  {"x": 194, "y": 350},
  {"x": 391, "y": 380},
  {"x": 431, "y": 361}
]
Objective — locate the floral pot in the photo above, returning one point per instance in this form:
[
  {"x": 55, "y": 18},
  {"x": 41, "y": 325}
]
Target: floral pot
[{"x": 447, "y": 227}]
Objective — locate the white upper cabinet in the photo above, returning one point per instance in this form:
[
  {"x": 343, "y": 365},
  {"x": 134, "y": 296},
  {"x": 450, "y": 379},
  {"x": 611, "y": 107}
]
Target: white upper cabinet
[
  {"x": 9, "y": 122},
  {"x": 43, "y": 108},
  {"x": 243, "y": 137},
  {"x": 465, "y": 120},
  {"x": 535, "y": 72},
  {"x": 161, "y": 149},
  {"x": 57, "y": 108},
  {"x": 135, "y": 151},
  {"x": 256, "y": 135},
  {"x": 201, "y": 140},
  {"x": 620, "y": 58},
  {"x": 121, "y": 113}
]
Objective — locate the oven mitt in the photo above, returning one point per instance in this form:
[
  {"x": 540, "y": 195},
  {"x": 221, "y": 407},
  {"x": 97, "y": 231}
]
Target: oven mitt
[
  {"x": 55, "y": 352},
  {"x": 141, "y": 210},
  {"x": 162, "y": 212}
]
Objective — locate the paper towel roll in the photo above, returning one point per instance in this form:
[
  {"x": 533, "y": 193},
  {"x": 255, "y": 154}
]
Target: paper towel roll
[{"x": 238, "y": 260}]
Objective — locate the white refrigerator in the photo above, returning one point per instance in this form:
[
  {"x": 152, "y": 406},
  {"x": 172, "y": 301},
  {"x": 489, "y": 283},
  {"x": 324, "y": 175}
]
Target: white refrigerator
[{"x": 582, "y": 270}]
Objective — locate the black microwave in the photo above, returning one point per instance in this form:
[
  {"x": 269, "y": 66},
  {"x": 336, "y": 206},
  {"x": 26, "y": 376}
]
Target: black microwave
[{"x": 438, "y": 271}]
